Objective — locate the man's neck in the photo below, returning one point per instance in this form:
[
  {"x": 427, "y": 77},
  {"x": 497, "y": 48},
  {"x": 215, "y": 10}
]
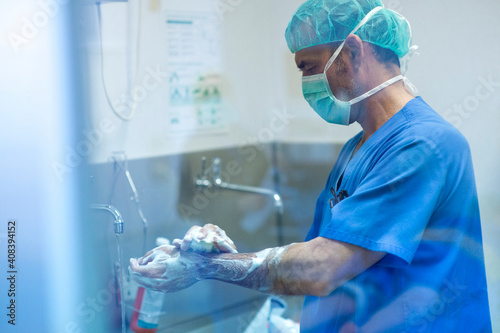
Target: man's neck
[{"x": 376, "y": 110}]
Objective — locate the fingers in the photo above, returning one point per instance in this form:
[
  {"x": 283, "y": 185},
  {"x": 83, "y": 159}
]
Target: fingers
[
  {"x": 148, "y": 257},
  {"x": 144, "y": 270},
  {"x": 145, "y": 281},
  {"x": 167, "y": 272},
  {"x": 186, "y": 243},
  {"x": 223, "y": 246},
  {"x": 221, "y": 233},
  {"x": 137, "y": 268},
  {"x": 197, "y": 240},
  {"x": 151, "y": 270},
  {"x": 154, "y": 253},
  {"x": 205, "y": 236},
  {"x": 196, "y": 232},
  {"x": 222, "y": 241},
  {"x": 201, "y": 234},
  {"x": 188, "y": 238},
  {"x": 164, "y": 248}
]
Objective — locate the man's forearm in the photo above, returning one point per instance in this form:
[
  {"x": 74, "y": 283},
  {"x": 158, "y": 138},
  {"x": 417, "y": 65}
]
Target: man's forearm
[
  {"x": 287, "y": 270},
  {"x": 315, "y": 268},
  {"x": 257, "y": 271}
]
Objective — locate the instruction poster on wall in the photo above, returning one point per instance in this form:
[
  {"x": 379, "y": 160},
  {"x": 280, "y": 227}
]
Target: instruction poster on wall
[{"x": 193, "y": 55}]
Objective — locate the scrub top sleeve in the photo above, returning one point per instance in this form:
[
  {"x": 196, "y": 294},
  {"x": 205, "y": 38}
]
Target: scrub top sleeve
[{"x": 392, "y": 205}]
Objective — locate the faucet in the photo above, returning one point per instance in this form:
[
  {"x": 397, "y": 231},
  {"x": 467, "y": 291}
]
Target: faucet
[
  {"x": 120, "y": 161},
  {"x": 203, "y": 181},
  {"x": 118, "y": 223}
]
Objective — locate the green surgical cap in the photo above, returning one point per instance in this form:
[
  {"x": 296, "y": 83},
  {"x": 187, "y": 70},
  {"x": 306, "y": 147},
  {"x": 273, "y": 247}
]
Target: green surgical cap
[{"x": 325, "y": 21}]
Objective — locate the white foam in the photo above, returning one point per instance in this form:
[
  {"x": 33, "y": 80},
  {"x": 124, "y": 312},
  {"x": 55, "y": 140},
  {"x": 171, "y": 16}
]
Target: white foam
[{"x": 207, "y": 243}]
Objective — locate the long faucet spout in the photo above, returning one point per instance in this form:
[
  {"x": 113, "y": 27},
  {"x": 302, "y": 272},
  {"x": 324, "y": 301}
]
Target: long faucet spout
[
  {"x": 218, "y": 182},
  {"x": 118, "y": 223},
  {"x": 278, "y": 203},
  {"x": 203, "y": 181}
]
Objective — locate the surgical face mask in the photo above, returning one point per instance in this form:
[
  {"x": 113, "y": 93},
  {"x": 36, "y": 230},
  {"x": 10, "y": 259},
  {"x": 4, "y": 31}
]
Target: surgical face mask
[{"x": 318, "y": 94}]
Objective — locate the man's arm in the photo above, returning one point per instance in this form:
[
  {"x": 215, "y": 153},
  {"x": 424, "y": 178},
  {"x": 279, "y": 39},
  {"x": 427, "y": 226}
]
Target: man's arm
[{"x": 316, "y": 267}]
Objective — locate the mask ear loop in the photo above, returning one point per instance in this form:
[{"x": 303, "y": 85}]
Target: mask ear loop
[
  {"x": 333, "y": 57},
  {"x": 412, "y": 51},
  {"x": 377, "y": 89},
  {"x": 413, "y": 89},
  {"x": 404, "y": 67}
]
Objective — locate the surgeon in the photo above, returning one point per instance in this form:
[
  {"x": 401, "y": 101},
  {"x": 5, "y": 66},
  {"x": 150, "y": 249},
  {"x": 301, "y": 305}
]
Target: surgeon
[{"x": 395, "y": 244}]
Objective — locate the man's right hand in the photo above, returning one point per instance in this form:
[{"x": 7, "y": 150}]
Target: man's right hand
[{"x": 208, "y": 234}]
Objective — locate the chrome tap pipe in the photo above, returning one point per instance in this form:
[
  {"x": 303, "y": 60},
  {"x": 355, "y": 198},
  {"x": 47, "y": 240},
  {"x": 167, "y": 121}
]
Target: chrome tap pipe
[
  {"x": 203, "y": 181},
  {"x": 118, "y": 223},
  {"x": 278, "y": 203}
]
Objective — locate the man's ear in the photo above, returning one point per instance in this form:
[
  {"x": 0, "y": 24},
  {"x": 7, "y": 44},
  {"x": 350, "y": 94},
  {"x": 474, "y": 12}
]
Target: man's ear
[{"x": 356, "y": 50}]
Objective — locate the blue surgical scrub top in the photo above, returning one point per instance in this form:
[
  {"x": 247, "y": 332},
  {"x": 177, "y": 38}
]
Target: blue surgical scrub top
[{"x": 410, "y": 193}]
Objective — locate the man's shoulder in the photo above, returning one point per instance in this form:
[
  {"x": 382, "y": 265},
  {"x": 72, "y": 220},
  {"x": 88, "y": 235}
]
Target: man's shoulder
[
  {"x": 418, "y": 130},
  {"x": 427, "y": 125}
]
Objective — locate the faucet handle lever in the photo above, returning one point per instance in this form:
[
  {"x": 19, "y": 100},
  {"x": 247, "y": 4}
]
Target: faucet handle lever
[
  {"x": 203, "y": 173},
  {"x": 216, "y": 168}
]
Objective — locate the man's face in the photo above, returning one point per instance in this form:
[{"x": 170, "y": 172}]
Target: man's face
[{"x": 312, "y": 61}]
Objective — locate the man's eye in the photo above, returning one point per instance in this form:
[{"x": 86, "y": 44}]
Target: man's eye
[
  {"x": 308, "y": 70},
  {"x": 311, "y": 69}
]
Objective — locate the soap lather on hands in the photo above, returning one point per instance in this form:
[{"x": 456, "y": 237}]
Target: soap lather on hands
[
  {"x": 209, "y": 238},
  {"x": 170, "y": 268},
  {"x": 316, "y": 267},
  {"x": 166, "y": 269}
]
